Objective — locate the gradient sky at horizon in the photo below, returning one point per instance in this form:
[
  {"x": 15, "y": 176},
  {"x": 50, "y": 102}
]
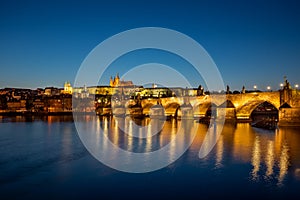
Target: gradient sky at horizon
[{"x": 43, "y": 43}]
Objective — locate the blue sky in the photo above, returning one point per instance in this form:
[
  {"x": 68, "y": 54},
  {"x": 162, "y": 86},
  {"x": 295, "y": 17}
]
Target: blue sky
[{"x": 252, "y": 42}]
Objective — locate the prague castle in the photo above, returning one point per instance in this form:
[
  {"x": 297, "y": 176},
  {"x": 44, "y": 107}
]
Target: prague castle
[{"x": 116, "y": 82}]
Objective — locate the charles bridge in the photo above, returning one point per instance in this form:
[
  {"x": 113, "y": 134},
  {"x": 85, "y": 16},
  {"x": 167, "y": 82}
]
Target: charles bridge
[{"x": 240, "y": 107}]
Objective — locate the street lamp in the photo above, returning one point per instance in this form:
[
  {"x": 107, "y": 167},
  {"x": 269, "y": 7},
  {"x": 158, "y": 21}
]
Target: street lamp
[
  {"x": 269, "y": 88},
  {"x": 255, "y": 87},
  {"x": 281, "y": 85},
  {"x": 296, "y": 86}
]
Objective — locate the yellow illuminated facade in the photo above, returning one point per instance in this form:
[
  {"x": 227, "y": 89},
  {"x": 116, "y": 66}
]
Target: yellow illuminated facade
[
  {"x": 68, "y": 88},
  {"x": 116, "y": 82}
]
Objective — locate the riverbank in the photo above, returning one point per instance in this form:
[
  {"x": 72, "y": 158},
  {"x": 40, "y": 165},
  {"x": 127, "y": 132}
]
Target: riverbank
[{"x": 27, "y": 113}]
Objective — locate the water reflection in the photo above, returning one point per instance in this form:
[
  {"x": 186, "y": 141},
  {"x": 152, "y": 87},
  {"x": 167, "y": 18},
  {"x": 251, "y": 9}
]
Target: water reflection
[
  {"x": 34, "y": 118},
  {"x": 219, "y": 152},
  {"x": 118, "y": 144},
  {"x": 277, "y": 157},
  {"x": 267, "y": 152},
  {"x": 283, "y": 163},
  {"x": 270, "y": 157},
  {"x": 242, "y": 142},
  {"x": 270, "y": 153},
  {"x": 256, "y": 153}
]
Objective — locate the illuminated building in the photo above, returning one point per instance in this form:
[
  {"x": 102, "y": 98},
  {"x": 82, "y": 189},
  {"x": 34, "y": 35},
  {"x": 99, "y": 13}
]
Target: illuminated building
[
  {"x": 67, "y": 88},
  {"x": 116, "y": 82}
]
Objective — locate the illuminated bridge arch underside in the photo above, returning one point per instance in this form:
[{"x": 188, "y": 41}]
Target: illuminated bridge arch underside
[
  {"x": 246, "y": 110},
  {"x": 202, "y": 108},
  {"x": 171, "y": 108}
]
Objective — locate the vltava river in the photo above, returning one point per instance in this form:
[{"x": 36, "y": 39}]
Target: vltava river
[{"x": 45, "y": 159}]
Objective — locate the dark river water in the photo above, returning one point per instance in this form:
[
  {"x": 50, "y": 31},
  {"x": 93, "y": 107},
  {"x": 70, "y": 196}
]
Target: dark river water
[{"x": 45, "y": 159}]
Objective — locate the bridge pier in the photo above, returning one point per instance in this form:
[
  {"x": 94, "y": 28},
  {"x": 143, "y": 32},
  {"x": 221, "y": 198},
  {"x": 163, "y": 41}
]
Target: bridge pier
[
  {"x": 289, "y": 117},
  {"x": 227, "y": 113},
  {"x": 118, "y": 111},
  {"x": 135, "y": 111},
  {"x": 157, "y": 112},
  {"x": 185, "y": 111}
]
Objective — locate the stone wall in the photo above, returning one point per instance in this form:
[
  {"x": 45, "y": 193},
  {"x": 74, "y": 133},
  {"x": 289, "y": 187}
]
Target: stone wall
[{"x": 289, "y": 116}]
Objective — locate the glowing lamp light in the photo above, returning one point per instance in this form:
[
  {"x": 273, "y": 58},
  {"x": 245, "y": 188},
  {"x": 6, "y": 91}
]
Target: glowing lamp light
[
  {"x": 297, "y": 86},
  {"x": 255, "y": 87},
  {"x": 269, "y": 88}
]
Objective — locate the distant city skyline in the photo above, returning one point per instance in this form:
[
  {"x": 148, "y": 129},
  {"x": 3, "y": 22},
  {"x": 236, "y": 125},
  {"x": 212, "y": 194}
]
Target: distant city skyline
[{"x": 252, "y": 43}]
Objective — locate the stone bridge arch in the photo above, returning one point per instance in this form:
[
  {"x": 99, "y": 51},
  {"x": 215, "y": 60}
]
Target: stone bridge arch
[
  {"x": 246, "y": 103},
  {"x": 264, "y": 110},
  {"x": 210, "y": 110},
  {"x": 242, "y": 99},
  {"x": 171, "y": 109},
  {"x": 245, "y": 111},
  {"x": 200, "y": 109}
]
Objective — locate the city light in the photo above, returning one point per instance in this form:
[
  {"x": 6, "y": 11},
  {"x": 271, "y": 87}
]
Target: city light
[
  {"x": 296, "y": 86},
  {"x": 269, "y": 88},
  {"x": 281, "y": 85},
  {"x": 255, "y": 87}
]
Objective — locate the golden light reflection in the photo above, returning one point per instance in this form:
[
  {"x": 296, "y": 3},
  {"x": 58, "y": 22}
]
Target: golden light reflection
[
  {"x": 140, "y": 141},
  {"x": 279, "y": 138},
  {"x": 149, "y": 130},
  {"x": 174, "y": 127},
  {"x": 220, "y": 151},
  {"x": 130, "y": 127},
  {"x": 149, "y": 138},
  {"x": 50, "y": 119},
  {"x": 270, "y": 153},
  {"x": 105, "y": 127},
  {"x": 172, "y": 146},
  {"x": 283, "y": 163},
  {"x": 98, "y": 132},
  {"x": 243, "y": 139},
  {"x": 128, "y": 134},
  {"x": 188, "y": 126},
  {"x": 129, "y": 142},
  {"x": 116, "y": 124},
  {"x": 98, "y": 125},
  {"x": 113, "y": 130},
  {"x": 201, "y": 133},
  {"x": 270, "y": 158},
  {"x": 210, "y": 137},
  {"x": 256, "y": 153},
  {"x": 105, "y": 134}
]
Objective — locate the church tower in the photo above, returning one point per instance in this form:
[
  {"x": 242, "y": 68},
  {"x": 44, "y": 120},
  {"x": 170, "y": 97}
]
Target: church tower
[
  {"x": 117, "y": 80},
  {"x": 68, "y": 88},
  {"x": 111, "y": 82}
]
